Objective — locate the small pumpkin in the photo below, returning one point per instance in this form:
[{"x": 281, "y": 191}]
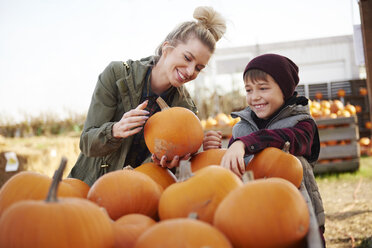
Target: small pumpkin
[
  {"x": 364, "y": 141},
  {"x": 28, "y": 185},
  {"x": 57, "y": 223},
  {"x": 318, "y": 95},
  {"x": 125, "y": 192},
  {"x": 129, "y": 227},
  {"x": 273, "y": 162},
  {"x": 263, "y": 213},
  {"x": 199, "y": 193},
  {"x": 363, "y": 91},
  {"x": 180, "y": 233},
  {"x": 341, "y": 93},
  {"x": 368, "y": 124},
  {"x": 206, "y": 158},
  {"x": 163, "y": 176},
  {"x": 173, "y": 131}
]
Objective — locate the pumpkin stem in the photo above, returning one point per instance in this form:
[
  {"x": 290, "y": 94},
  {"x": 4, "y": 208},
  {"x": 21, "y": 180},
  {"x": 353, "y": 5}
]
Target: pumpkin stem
[
  {"x": 185, "y": 171},
  {"x": 286, "y": 146},
  {"x": 248, "y": 176},
  {"x": 162, "y": 104},
  {"x": 57, "y": 177},
  {"x": 193, "y": 215},
  {"x": 128, "y": 167}
]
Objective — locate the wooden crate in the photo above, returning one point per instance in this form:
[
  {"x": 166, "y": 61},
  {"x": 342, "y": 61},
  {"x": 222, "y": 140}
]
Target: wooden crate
[{"x": 340, "y": 151}]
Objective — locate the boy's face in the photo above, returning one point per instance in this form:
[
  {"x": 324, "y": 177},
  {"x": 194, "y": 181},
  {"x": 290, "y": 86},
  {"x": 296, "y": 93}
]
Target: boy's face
[{"x": 264, "y": 97}]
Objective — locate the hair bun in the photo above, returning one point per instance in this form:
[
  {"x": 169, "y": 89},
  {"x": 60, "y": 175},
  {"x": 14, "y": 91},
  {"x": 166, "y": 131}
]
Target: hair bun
[{"x": 211, "y": 20}]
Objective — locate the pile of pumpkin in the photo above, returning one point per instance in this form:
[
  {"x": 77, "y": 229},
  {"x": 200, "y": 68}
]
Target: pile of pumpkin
[
  {"x": 332, "y": 109},
  {"x": 207, "y": 206},
  {"x": 221, "y": 120}
]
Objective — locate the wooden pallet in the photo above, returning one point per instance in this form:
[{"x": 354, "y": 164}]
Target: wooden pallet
[{"x": 342, "y": 152}]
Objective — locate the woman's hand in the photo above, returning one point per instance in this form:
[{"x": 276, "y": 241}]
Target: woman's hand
[
  {"x": 212, "y": 140},
  {"x": 174, "y": 163},
  {"x": 234, "y": 158},
  {"x": 132, "y": 122}
]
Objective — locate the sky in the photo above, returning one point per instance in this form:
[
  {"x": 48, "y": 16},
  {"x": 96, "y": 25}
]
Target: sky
[{"x": 52, "y": 51}]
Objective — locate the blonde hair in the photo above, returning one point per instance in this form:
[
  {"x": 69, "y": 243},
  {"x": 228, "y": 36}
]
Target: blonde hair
[{"x": 209, "y": 28}]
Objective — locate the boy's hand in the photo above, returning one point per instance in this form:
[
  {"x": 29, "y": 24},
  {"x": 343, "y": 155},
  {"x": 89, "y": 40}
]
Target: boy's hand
[
  {"x": 212, "y": 140},
  {"x": 234, "y": 158},
  {"x": 174, "y": 163}
]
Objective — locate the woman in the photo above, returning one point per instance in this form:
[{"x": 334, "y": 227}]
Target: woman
[{"x": 125, "y": 95}]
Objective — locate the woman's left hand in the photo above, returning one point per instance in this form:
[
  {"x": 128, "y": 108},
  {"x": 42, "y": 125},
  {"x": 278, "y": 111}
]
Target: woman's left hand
[{"x": 174, "y": 163}]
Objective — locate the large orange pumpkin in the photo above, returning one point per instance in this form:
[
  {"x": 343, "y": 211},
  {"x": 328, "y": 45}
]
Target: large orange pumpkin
[
  {"x": 163, "y": 176},
  {"x": 180, "y": 233},
  {"x": 57, "y": 223},
  {"x": 129, "y": 227},
  {"x": 28, "y": 185},
  {"x": 263, "y": 213},
  {"x": 200, "y": 193},
  {"x": 206, "y": 158},
  {"x": 173, "y": 131},
  {"x": 273, "y": 162},
  {"x": 124, "y": 192}
]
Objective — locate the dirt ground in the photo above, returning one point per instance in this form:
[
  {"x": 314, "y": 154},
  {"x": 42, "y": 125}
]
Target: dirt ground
[
  {"x": 348, "y": 208},
  {"x": 347, "y": 200}
]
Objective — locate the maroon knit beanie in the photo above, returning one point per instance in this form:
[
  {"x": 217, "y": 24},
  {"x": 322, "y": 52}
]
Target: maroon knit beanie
[{"x": 281, "y": 68}]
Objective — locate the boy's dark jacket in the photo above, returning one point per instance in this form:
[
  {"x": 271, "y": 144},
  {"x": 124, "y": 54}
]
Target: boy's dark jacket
[
  {"x": 296, "y": 111},
  {"x": 118, "y": 90}
]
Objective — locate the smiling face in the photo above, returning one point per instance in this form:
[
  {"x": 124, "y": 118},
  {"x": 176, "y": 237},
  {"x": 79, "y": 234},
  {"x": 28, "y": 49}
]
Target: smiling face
[
  {"x": 184, "y": 62},
  {"x": 264, "y": 97}
]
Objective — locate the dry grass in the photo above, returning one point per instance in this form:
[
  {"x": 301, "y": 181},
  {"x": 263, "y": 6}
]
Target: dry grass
[{"x": 40, "y": 153}]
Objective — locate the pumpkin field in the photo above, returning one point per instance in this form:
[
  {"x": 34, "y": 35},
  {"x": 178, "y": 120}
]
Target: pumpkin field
[{"x": 347, "y": 197}]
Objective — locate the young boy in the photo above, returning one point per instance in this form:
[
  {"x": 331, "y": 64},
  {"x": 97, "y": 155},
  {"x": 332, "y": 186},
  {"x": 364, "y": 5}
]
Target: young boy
[{"x": 275, "y": 114}]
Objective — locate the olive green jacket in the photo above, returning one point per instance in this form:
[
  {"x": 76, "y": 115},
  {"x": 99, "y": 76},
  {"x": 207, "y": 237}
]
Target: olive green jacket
[{"x": 118, "y": 90}]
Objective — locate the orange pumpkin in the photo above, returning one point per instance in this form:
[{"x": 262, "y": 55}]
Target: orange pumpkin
[
  {"x": 318, "y": 95},
  {"x": 341, "y": 93},
  {"x": 163, "y": 176},
  {"x": 273, "y": 162},
  {"x": 210, "y": 122},
  {"x": 222, "y": 120},
  {"x": 129, "y": 227},
  {"x": 79, "y": 185},
  {"x": 263, "y": 213},
  {"x": 28, "y": 185},
  {"x": 173, "y": 131},
  {"x": 336, "y": 105},
  {"x": 368, "y": 124},
  {"x": 66, "y": 222},
  {"x": 183, "y": 232},
  {"x": 325, "y": 104},
  {"x": 363, "y": 91},
  {"x": 206, "y": 158},
  {"x": 364, "y": 141},
  {"x": 350, "y": 108},
  {"x": 200, "y": 193},
  {"x": 126, "y": 191},
  {"x": 358, "y": 108}
]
